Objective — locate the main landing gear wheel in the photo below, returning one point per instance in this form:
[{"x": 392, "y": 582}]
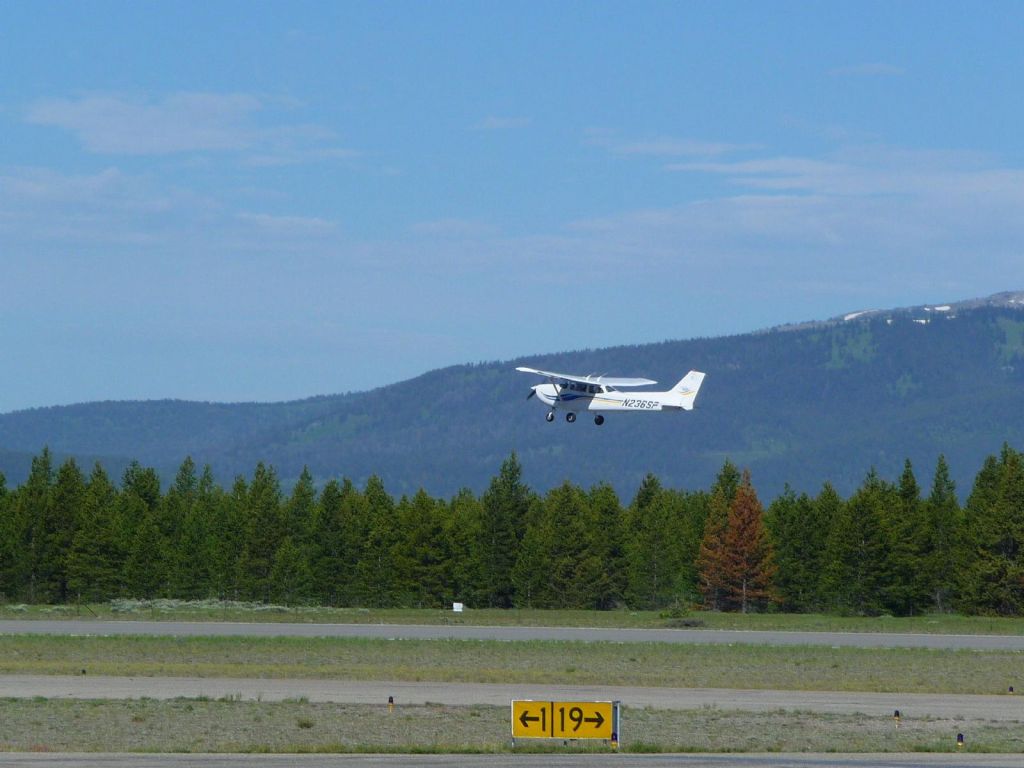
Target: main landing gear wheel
[
  {"x": 599, "y": 419},
  {"x": 550, "y": 415},
  {"x": 570, "y": 417}
]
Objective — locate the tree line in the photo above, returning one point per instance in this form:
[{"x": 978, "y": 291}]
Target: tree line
[{"x": 890, "y": 547}]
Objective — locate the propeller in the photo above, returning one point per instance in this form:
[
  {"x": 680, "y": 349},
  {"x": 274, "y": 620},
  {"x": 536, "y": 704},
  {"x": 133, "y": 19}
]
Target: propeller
[{"x": 532, "y": 393}]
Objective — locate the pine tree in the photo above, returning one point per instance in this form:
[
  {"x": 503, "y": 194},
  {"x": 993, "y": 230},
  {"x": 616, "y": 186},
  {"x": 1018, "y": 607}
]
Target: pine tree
[
  {"x": 200, "y": 563},
  {"x": 505, "y": 505},
  {"x": 375, "y": 568},
  {"x": 299, "y": 509},
  {"x": 146, "y": 570},
  {"x": 649, "y": 491},
  {"x": 291, "y": 580},
  {"x": 604, "y": 559},
  {"x": 59, "y": 530},
  {"x": 942, "y": 554},
  {"x": 728, "y": 481},
  {"x": 650, "y": 547},
  {"x": 264, "y": 532},
  {"x": 529, "y": 576},
  {"x": 96, "y": 557},
  {"x": 690, "y": 513},
  {"x": 327, "y": 542},
  {"x": 183, "y": 535},
  {"x": 661, "y": 535},
  {"x": 641, "y": 544},
  {"x": 855, "y": 555},
  {"x": 747, "y": 552},
  {"x": 552, "y": 571},
  {"x": 144, "y": 484},
  {"x": 827, "y": 510},
  {"x": 711, "y": 558},
  {"x": 905, "y": 591},
  {"x": 566, "y": 514},
  {"x": 993, "y": 581},
  {"x": 421, "y": 557},
  {"x": 230, "y": 535},
  {"x": 798, "y": 534},
  {"x": 463, "y": 531},
  {"x": 8, "y": 538},
  {"x": 32, "y": 509},
  {"x": 145, "y": 581},
  {"x": 356, "y": 520}
]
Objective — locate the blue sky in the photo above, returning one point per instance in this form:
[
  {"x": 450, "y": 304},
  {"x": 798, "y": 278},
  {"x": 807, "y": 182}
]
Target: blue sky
[{"x": 264, "y": 201}]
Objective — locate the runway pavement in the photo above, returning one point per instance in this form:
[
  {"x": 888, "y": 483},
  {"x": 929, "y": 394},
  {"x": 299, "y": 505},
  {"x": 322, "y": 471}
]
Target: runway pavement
[
  {"x": 463, "y": 632},
  {"x": 93, "y": 760}
]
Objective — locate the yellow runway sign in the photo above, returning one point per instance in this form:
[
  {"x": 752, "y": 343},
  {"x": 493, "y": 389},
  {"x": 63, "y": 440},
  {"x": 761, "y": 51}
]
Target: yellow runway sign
[{"x": 563, "y": 719}]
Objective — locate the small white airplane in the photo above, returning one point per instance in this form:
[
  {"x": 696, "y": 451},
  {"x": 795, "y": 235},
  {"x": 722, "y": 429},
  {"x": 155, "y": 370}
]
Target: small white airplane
[{"x": 600, "y": 393}]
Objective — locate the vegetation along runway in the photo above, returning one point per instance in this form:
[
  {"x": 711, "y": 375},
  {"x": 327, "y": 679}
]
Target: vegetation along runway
[
  {"x": 772, "y": 760},
  {"x": 463, "y": 632}
]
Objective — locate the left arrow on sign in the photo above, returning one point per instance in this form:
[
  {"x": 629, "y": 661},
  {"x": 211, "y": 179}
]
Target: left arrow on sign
[
  {"x": 525, "y": 718},
  {"x": 532, "y": 719}
]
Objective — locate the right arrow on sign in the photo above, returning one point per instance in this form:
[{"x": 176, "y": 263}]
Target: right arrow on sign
[{"x": 597, "y": 720}]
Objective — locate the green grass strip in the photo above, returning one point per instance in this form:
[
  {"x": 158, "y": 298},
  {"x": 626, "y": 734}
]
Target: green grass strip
[{"x": 548, "y": 662}]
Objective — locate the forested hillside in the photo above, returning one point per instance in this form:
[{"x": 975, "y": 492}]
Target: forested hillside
[
  {"x": 903, "y": 547},
  {"x": 802, "y": 405}
]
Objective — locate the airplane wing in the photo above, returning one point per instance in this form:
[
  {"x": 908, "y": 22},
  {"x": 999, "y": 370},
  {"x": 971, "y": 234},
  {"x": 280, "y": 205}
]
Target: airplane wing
[{"x": 609, "y": 381}]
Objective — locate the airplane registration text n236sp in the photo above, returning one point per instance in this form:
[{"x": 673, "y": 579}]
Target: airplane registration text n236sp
[{"x": 573, "y": 394}]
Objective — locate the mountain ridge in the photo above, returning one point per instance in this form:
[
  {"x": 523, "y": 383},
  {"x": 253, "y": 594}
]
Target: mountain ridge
[{"x": 799, "y": 404}]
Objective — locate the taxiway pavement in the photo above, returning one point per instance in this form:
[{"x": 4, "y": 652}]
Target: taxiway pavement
[{"x": 467, "y": 632}]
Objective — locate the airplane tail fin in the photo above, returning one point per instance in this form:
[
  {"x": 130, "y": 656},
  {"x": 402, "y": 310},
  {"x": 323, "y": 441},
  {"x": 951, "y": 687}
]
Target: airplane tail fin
[{"x": 687, "y": 388}]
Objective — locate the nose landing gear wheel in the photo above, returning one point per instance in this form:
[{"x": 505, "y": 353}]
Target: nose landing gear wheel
[
  {"x": 550, "y": 415},
  {"x": 599, "y": 420},
  {"x": 570, "y": 417}
]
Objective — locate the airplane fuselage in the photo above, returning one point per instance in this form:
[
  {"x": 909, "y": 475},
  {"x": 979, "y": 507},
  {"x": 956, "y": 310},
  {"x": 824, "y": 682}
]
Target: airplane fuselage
[{"x": 606, "y": 399}]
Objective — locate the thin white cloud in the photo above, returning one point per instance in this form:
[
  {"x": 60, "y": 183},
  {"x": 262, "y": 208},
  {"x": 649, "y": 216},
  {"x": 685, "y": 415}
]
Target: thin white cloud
[
  {"x": 42, "y": 210},
  {"x": 461, "y": 228},
  {"x": 42, "y": 185},
  {"x": 871, "y": 173},
  {"x": 288, "y": 226},
  {"x": 870, "y": 69},
  {"x": 187, "y": 122},
  {"x": 848, "y": 220},
  {"x": 667, "y": 147},
  {"x": 498, "y": 123},
  {"x": 299, "y": 156},
  {"x": 184, "y": 122},
  {"x": 769, "y": 173},
  {"x": 664, "y": 146}
]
